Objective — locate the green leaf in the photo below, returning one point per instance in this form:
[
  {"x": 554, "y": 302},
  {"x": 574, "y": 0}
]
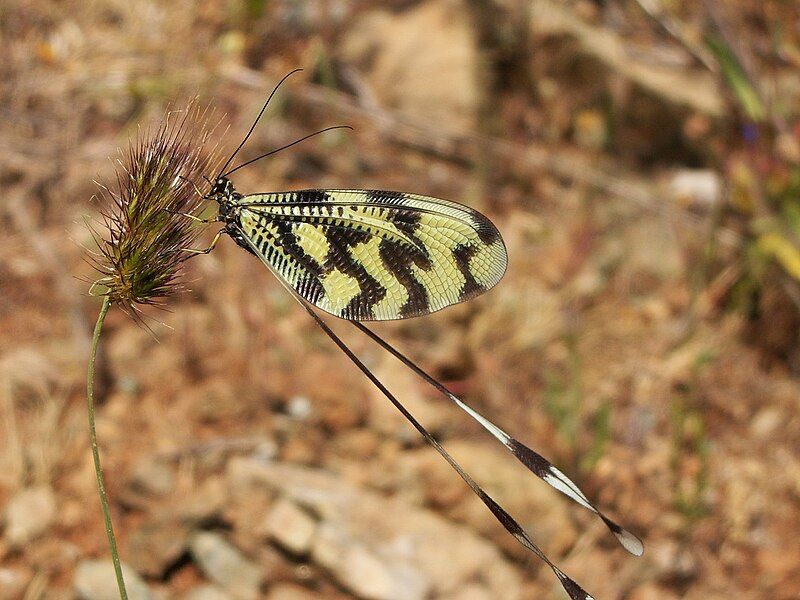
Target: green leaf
[
  {"x": 782, "y": 250},
  {"x": 736, "y": 78}
]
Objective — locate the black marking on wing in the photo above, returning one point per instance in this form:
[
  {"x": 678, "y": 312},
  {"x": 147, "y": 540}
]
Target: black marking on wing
[
  {"x": 339, "y": 258},
  {"x": 407, "y": 222},
  {"x": 471, "y": 287},
  {"x": 341, "y": 239},
  {"x": 320, "y": 197},
  {"x": 309, "y": 285},
  {"x": 392, "y": 257},
  {"x": 487, "y": 232},
  {"x": 288, "y": 241}
]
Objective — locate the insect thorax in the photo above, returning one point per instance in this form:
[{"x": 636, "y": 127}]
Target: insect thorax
[{"x": 227, "y": 197}]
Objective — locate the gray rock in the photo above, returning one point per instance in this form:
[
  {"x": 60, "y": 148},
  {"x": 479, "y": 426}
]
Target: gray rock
[
  {"x": 415, "y": 545},
  {"x": 29, "y": 513},
  {"x": 701, "y": 188},
  {"x": 363, "y": 571},
  {"x": 290, "y": 591},
  {"x": 156, "y": 544},
  {"x": 207, "y": 592},
  {"x": 299, "y": 408},
  {"x": 205, "y": 502},
  {"x": 472, "y": 591},
  {"x": 14, "y": 581},
  {"x": 153, "y": 477},
  {"x": 95, "y": 580},
  {"x": 399, "y": 63},
  {"x": 223, "y": 564},
  {"x": 290, "y": 527}
]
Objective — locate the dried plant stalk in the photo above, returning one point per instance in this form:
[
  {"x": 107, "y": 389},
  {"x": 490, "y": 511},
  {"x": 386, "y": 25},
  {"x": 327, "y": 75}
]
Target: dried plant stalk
[{"x": 147, "y": 232}]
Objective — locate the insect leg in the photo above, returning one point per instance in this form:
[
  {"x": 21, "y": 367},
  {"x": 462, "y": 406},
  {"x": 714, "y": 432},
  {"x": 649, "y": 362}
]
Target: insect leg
[
  {"x": 210, "y": 248},
  {"x": 194, "y": 185},
  {"x": 188, "y": 216}
]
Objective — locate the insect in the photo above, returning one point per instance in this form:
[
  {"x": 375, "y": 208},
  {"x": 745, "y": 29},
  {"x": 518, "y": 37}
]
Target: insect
[{"x": 373, "y": 255}]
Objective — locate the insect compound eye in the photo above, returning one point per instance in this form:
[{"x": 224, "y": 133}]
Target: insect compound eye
[{"x": 218, "y": 188}]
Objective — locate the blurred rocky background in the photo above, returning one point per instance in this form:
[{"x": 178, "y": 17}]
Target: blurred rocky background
[{"x": 641, "y": 161}]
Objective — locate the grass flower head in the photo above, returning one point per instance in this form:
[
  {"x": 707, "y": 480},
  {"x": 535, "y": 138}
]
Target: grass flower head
[{"x": 143, "y": 249}]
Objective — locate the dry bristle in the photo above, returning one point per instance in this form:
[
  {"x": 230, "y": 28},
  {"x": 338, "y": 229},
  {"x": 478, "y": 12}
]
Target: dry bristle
[{"x": 144, "y": 245}]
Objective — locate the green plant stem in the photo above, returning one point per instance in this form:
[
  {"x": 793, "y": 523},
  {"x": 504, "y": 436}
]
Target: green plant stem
[{"x": 98, "y": 470}]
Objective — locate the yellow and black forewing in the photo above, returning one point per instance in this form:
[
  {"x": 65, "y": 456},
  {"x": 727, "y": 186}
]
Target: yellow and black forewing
[{"x": 374, "y": 255}]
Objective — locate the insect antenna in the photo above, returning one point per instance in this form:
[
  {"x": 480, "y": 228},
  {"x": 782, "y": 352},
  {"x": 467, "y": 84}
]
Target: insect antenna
[
  {"x": 271, "y": 152},
  {"x": 258, "y": 118},
  {"x": 534, "y": 461}
]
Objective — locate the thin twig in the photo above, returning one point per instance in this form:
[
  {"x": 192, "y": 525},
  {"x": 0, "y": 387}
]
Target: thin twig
[
  {"x": 656, "y": 11},
  {"x": 98, "y": 470}
]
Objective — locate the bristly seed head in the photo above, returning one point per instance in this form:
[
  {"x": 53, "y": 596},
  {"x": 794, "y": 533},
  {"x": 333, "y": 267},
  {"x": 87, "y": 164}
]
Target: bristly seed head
[{"x": 143, "y": 248}]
